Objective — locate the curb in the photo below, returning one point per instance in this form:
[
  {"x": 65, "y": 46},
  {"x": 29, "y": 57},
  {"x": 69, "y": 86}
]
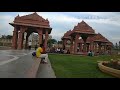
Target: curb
[
  {"x": 32, "y": 72},
  {"x": 109, "y": 70}
]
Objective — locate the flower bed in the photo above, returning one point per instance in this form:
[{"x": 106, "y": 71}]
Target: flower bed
[{"x": 112, "y": 67}]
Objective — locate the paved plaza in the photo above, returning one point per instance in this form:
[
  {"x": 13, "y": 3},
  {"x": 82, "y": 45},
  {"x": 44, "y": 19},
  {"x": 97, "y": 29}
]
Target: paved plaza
[{"x": 21, "y": 64}]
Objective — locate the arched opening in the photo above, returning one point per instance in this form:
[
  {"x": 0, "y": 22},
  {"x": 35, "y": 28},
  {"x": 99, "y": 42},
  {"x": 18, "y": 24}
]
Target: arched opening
[{"x": 28, "y": 26}]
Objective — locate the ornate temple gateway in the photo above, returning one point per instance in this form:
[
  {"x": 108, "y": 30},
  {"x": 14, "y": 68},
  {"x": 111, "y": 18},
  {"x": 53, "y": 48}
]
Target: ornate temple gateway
[
  {"x": 83, "y": 39},
  {"x": 29, "y": 24}
]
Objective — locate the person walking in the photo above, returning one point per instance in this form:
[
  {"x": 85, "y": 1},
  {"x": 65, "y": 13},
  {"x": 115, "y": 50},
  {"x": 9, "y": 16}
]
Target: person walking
[{"x": 30, "y": 43}]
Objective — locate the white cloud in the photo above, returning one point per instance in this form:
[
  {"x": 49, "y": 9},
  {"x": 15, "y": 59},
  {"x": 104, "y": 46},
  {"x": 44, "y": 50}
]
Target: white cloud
[
  {"x": 24, "y": 13},
  {"x": 5, "y": 28},
  {"x": 64, "y": 21},
  {"x": 58, "y": 17}
]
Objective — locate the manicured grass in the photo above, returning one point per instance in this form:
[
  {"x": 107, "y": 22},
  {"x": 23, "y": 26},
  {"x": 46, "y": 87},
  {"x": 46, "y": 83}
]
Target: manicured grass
[{"x": 75, "y": 66}]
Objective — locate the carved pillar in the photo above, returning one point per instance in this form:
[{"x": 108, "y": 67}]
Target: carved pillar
[
  {"x": 92, "y": 46},
  {"x": 100, "y": 47},
  {"x": 105, "y": 48},
  {"x": 64, "y": 43},
  {"x": 20, "y": 39},
  {"x": 26, "y": 43},
  {"x": 46, "y": 39},
  {"x": 80, "y": 47},
  {"x": 72, "y": 46},
  {"x": 95, "y": 47},
  {"x": 76, "y": 43},
  {"x": 40, "y": 36},
  {"x": 15, "y": 38},
  {"x": 84, "y": 47}
]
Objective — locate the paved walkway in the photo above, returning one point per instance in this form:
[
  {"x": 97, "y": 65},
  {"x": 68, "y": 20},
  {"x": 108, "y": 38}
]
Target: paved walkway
[
  {"x": 45, "y": 71},
  {"x": 21, "y": 64}
]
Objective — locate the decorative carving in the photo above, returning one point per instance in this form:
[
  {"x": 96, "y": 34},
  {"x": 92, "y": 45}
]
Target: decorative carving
[
  {"x": 83, "y": 28},
  {"x": 90, "y": 38},
  {"x": 31, "y": 23},
  {"x": 33, "y": 19},
  {"x": 99, "y": 37}
]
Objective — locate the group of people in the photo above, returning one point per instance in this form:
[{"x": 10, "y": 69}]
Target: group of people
[
  {"x": 90, "y": 53},
  {"x": 59, "y": 50}
]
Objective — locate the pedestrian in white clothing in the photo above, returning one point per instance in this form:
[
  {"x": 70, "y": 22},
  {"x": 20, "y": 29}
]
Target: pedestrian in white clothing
[{"x": 30, "y": 43}]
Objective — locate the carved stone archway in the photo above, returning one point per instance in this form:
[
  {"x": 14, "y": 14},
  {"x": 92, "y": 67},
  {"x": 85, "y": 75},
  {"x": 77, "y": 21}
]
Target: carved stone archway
[
  {"x": 83, "y": 39},
  {"x": 29, "y": 24}
]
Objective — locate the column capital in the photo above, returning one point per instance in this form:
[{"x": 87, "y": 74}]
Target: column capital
[
  {"x": 23, "y": 29},
  {"x": 14, "y": 31},
  {"x": 39, "y": 32}
]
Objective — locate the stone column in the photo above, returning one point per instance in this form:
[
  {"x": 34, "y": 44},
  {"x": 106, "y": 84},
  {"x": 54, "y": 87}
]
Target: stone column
[
  {"x": 84, "y": 47},
  {"x": 40, "y": 36},
  {"x": 80, "y": 47},
  {"x": 99, "y": 48},
  {"x": 95, "y": 47},
  {"x": 76, "y": 43},
  {"x": 91, "y": 46},
  {"x": 26, "y": 43},
  {"x": 72, "y": 46},
  {"x": 20, "y": 39},
  {"x": 15, "y": 38},
  {"x": 46, "y": 39},
  {"x": 64, "y": 43},
  {"x": 87, "y": 47},
  {"x": 105, "y": 48}
]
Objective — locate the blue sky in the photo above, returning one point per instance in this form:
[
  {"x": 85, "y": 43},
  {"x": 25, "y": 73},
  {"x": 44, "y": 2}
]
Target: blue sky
[{"x": 106, "y": 23}]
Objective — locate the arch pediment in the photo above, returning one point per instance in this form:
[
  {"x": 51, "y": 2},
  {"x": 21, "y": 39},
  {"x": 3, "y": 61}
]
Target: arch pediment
[
  {"x": 83, "y": 27},
  {"x": 32, "y": 19}
]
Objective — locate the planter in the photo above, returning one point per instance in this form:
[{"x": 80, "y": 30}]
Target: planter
[{"x": 109, "y": 70}]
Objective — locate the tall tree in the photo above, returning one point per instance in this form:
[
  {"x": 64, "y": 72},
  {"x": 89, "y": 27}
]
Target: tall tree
[
  {"x": 116, "y": 46},
  {"x": 6, "y": 36},
  {"x": 9, "y": 37},
  {"x": 51, "y": 42},
  {"x": 3, "y": 37},
  {"x": 59, "y": 42},
  {"x": 119, "y": 44}
]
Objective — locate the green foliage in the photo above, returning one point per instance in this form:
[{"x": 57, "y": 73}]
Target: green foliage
[
  {"x": 59, "y": 42},
  {"x": 9, "y": 36},
  {"x": 51, "y": 41},
  {"x": 6, "y": 37}
]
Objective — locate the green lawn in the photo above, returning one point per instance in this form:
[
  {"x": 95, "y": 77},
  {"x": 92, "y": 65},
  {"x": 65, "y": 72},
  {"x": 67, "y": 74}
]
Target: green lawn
[{"x": 75, "y": 66}]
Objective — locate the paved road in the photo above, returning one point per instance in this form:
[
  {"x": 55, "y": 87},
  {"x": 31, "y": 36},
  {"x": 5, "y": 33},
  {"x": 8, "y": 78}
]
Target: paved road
[{"x": 21, "y": 64}]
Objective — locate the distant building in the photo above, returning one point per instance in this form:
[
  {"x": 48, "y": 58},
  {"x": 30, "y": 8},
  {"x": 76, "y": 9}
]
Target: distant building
[
  {"x": 83, "y": 39},
  {"x": 6, "y": 42}
]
